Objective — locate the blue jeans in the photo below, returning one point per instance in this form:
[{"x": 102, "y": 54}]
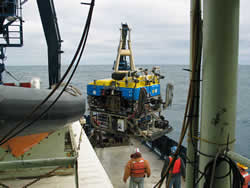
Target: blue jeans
[
  {"x": 175, "y": 181},
  {"x": 136, "y": 181}
]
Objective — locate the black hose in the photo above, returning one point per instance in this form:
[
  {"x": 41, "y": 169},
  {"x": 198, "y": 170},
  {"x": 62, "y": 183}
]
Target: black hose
[
  {"x": 238, "y": 179},
  {"x": 80, "y": 49}
]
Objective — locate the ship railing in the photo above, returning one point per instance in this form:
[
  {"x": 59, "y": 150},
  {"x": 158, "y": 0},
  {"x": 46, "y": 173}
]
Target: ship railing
[
  {"x": 239, "y": 158},
  {"x": 11, "y": 29}
]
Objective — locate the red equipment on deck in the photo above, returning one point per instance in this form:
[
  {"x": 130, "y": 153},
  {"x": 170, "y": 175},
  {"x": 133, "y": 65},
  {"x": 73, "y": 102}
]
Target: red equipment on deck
[{"x": 22, "y": 84}]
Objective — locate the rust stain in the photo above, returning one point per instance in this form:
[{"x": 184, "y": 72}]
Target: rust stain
[
  {"x": 21, "y": 144},
  {"x": 218, "y": 115}
]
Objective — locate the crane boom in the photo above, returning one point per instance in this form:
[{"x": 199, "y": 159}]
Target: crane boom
[
  {"x": 11, "y": 32},
  {"x": 53, "y": 39}
]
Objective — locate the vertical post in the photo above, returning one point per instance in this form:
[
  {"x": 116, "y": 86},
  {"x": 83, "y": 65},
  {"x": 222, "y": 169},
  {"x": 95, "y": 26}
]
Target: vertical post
[
  {"x": 76, "y": 173},
  {"x": 195, "y": 62},
  {"x": 219, "y": 90},
  {"x": 51, "y": 31}
]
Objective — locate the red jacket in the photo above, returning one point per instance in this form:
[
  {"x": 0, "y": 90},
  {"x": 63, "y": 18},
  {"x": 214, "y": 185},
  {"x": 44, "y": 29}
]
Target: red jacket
[{"x": 246, "y": 177}]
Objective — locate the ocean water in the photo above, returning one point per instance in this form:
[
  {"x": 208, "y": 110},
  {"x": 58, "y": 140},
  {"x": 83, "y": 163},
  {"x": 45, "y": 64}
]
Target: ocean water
[{"x": 173, "y": 74}]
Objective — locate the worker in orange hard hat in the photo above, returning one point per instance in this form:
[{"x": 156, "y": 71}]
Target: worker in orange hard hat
[
  {"x": 244, "y": 174},
  {"x": 136, "y": 168}
]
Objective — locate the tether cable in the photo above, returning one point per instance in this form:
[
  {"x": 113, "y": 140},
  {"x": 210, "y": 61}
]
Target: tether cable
[
  {"x": 183, "y": 131},
  {"x": 190, "y": 105},
  {"x": 80, "y": 49}
]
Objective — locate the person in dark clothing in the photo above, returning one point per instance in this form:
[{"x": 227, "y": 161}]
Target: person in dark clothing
[
  {"x": 177, "y": 171},
  {"x": 2, "y": 68}
]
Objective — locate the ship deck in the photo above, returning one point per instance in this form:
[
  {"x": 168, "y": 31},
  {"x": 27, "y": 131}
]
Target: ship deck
[
  {"x": 91, "y": 173},
  {"x": 114, "y": 160},
  {"x": 103, "y": 167}
]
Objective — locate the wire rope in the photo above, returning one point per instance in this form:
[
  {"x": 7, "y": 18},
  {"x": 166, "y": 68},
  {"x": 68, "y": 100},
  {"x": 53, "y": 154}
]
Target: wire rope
[{"x": 190, "y": 105}]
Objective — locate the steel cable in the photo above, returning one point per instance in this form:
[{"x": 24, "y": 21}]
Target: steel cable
[
  {"x": 80, "y": 50},
  {"x": 210, "y": 169},
  {"x": 190, "y": 105}
]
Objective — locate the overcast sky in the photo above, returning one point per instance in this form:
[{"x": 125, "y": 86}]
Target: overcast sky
[{"x": 160, "y": 32}]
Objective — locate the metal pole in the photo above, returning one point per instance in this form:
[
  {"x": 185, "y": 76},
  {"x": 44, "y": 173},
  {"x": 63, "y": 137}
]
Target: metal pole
[
  {"x": 195, "y": 59},
  {"x": 219, "y": 90},
  {"x": 32, "y": 163},
  {"x": 76, "y": 174}
]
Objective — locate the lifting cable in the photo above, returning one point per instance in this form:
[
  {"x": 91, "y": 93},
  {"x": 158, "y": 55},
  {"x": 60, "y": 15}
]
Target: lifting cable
[
  {"x": 192, "y": 92},
  {"x": 209, "y": 171},
  {"x": 80, "y": 50},
  {"x": 183, "y": 132}
]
